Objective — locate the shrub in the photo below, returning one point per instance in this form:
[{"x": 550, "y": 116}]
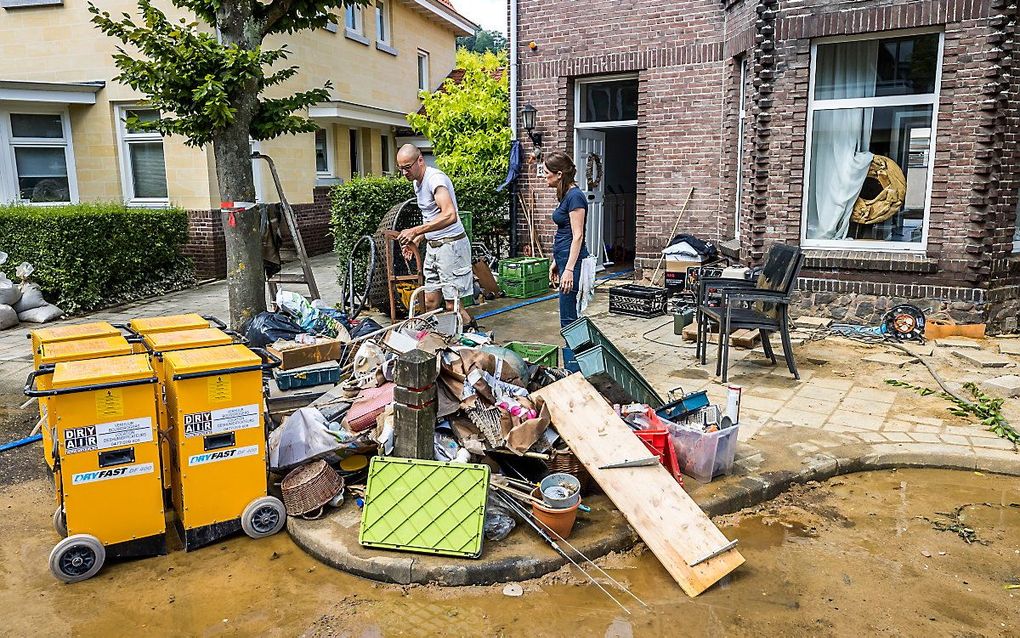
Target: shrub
[{"x": 88, "y": 256}]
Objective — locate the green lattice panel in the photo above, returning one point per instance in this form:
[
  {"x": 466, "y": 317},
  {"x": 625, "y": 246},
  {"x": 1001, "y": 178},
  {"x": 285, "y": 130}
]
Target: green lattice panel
[{"x": 425, "y": 506}]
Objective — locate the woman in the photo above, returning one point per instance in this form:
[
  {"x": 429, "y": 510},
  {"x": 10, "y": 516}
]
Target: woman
[{"x": 568, "y": 246}]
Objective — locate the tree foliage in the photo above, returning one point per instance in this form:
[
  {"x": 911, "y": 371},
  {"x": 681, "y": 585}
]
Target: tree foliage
[
  {"x": 484, "y": 41},
  {"x": 469, "y": 121},
  {"x": 193, "y": 79}
]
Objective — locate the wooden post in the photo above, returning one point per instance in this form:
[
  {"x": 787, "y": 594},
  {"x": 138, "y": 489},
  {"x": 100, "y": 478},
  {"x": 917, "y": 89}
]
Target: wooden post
[{"x": 414, "y": 407}]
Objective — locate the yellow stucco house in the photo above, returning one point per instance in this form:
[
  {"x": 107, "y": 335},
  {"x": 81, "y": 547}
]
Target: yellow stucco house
[{"x": 63, "y": 138}]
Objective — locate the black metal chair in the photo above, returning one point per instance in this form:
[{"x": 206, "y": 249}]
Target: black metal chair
[{"x": 761, "y": 305}]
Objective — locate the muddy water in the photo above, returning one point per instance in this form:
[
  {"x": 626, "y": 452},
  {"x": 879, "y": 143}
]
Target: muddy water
[{"x": 849, "y": 557}]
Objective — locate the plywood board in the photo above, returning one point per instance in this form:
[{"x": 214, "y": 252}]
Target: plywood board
[{"x": 670, "y": 523}]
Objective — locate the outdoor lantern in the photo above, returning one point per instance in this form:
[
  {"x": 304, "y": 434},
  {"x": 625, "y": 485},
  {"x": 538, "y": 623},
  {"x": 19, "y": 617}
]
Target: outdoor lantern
[{"x": 528, "y": 115}]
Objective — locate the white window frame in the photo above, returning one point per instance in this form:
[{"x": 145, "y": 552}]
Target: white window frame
[
  {"x": 423, "y": 78},
  {"x": 256, "y": 170},
  {"x": 357, "y": 17},
  {"x": 386, "y": 20},
  {"x": 9, "y": 189},
  {"x": 741, "y": 115},
  {"x": 599, "y": 79},
  {"x": 123, "y": 140},
  {"x": 330, "y": 171},
  {"x": 931, "y": 99}
]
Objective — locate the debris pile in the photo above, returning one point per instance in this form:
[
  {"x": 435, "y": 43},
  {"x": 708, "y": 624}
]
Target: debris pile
[{"x": 23, "y": 301}]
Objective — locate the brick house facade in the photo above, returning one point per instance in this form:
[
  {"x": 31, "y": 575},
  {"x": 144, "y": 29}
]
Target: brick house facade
[{"x": 694, "y": 60}]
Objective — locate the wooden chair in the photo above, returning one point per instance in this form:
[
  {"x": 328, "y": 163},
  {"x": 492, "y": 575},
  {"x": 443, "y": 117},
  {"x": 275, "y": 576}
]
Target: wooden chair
[{"x": 762, "y": 305}]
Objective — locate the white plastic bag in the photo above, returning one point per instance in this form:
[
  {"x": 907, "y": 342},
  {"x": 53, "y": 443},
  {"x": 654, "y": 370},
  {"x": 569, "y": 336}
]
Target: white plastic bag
[
  {"x": 9, "y": 293},
  {"x": 303, "y": 437},
  {"x": 8, "y": 318},
  {"x": 42, "y": 314},
  {"x": 31, "y": 297}
]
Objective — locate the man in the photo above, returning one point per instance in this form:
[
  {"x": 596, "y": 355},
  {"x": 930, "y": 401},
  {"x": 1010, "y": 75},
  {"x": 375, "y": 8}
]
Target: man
[{"x": 447, "y": 262}]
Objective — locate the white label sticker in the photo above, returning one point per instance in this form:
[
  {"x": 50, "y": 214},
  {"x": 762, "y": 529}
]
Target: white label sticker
[
  {"x": 112, "y": 473},
  {"x": 223, "y": 455},
  {"x": 103, "y": 436},
  {"x": 240, "y": 417}
]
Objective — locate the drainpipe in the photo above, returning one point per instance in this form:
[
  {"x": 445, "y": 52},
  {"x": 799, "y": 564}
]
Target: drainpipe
[{"x": 512, "y": 41}]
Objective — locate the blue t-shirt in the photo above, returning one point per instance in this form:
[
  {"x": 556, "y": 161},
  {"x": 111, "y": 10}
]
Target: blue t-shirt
[{"x": 573, "y": 200}]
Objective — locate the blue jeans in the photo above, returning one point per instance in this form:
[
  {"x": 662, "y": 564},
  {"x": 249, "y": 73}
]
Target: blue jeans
[{"x": 568, "y": 302}]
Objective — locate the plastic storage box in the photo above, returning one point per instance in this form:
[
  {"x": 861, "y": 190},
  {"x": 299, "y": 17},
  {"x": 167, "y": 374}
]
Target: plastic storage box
[
  {"x": 307, "y": 376},
  {"x": 524, "y": 288},
  {"x": 541, "y": 354},
  {"x": 704, "y": 455},
  {"x": 522, "y": 268},
  {"x": 637, "y": 301}
]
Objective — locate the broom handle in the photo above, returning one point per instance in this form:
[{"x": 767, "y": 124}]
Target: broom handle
[{"x": 673, "y": 234}]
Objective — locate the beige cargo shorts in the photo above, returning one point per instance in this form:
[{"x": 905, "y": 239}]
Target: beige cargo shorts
[{"x": 448, "y": 268}]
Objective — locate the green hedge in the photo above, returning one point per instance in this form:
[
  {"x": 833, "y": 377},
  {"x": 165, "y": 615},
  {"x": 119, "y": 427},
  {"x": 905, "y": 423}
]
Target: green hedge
[
  {"x": 89, "y": 256},
  {"x": 359, "y": 205}
]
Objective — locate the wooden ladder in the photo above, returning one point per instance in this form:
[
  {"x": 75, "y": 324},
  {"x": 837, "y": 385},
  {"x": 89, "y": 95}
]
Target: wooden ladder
[{"x": 307, "y": 277}]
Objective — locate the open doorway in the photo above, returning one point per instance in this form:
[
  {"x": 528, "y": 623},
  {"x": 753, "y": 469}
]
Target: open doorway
[{"x": 605, "y": 149}]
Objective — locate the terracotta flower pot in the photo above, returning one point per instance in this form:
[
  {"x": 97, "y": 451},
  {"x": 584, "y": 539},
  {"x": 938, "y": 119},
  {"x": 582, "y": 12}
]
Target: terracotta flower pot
[{"x": 560, "y": 521}]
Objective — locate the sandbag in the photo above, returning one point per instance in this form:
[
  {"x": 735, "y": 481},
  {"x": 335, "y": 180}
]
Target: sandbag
[
  {"x": 31, "y": 297},
  {"x": 42, "y": 314},
  {"x": 9, "y": 293},
  {"x": 8, "y": 318}
]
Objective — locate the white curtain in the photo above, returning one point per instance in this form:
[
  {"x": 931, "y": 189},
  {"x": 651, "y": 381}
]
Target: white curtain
[{"x": 840, "y": 137}]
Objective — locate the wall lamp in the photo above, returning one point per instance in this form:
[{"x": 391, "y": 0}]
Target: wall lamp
[{"x": 528, "y": 117}]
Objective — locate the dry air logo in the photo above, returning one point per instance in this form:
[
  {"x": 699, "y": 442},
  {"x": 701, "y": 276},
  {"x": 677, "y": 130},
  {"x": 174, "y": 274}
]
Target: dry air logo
[
  {"x": 223, "y": 455},
  {"x": 112, "y": 473},
  {"x": 198, "y": 424},
  {"x": 103, "y": 436}
]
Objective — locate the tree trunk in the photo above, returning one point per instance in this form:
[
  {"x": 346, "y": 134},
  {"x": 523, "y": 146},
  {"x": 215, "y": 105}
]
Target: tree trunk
[{"x": 246, "y": 281}]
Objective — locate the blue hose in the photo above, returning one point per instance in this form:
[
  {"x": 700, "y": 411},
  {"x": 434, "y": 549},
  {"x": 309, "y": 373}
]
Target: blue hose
[
  {"x": 499, "y": 311},
  {"x": 20, "y": 442}
]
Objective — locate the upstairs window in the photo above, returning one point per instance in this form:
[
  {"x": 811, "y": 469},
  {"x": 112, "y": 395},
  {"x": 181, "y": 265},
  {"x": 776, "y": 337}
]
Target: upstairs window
[
  {"x": 143, "y": 166},
  {"x": 423, "y": 70},
  {"x": 352, "y": 19},
  {"x": 382, "y": 22}
]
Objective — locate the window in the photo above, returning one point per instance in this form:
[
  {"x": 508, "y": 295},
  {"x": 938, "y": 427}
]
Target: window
[
  {"x": 352, "y": 19},
  {"x": 741, "y": 115},
  {"x": 355, "y": 140},
  {"x": 1016, "y": 233},
  {"x": 143, "y": 168},
  {"x": 423, "y": 70},
  {"x": 871, "y": 142},
  {"x": 39, "y": 151},
  {"x": 608, "y": 101},
  {"x": 384, "y": 143},
  {"x": 323, "y": 153},
  {"x": 382, "y": 22}
]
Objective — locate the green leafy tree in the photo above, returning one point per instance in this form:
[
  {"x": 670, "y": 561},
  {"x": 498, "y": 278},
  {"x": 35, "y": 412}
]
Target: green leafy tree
[
  {"x": 469, "y": 121},
  {"x": 206, "y": 78},
  {"x": 484, "y": 41}
]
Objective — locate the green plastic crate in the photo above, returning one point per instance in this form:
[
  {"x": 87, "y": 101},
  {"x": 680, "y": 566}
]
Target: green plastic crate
[
  {"x": 467, "y": 219},
  {"x": 425, "y": 506},
  {"x": 524, "y": 268},
  {"x": 615, "y": 378},
  {"x": 524, "y": 289},
  {"x": 541, "y": 354}
]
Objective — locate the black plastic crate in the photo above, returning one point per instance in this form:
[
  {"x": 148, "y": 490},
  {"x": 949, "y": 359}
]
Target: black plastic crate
[{"x": 637, "y": 301}]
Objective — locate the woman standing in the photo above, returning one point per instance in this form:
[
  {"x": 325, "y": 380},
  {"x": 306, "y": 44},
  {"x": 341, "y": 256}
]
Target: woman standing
[{"x": 568, "y": 246}]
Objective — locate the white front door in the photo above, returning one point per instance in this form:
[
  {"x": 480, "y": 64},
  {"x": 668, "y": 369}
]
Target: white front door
[{"x": 592, "y": 144}]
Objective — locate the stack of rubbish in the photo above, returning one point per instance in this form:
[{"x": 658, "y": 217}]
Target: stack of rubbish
[{"x": 23, "y": 301}]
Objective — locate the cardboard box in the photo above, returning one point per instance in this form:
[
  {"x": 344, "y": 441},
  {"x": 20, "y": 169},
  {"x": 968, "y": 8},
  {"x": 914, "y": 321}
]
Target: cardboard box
[
  {"x": 680, "y": 265},
  {"x": 298, "y": 355}
]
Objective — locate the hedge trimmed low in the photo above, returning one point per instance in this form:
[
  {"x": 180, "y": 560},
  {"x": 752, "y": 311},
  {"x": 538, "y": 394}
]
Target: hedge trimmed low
[{"x": 93, "y": 255}]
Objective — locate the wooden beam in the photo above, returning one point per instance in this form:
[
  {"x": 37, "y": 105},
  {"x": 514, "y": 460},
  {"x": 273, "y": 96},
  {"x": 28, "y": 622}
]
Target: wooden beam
[{"x": 670, "y": 523}]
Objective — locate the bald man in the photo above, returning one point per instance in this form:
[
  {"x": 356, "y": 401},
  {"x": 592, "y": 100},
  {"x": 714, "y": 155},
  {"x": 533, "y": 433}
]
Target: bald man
[{"x": 447, "y": 263}]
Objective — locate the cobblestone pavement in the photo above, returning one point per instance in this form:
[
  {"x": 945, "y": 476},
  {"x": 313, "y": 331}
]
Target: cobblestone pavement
[{"x": 840, "y": 416}]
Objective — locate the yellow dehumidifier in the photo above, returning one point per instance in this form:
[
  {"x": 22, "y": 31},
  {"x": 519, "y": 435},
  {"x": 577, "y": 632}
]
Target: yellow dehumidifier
[{"x": 219, "y": 470}]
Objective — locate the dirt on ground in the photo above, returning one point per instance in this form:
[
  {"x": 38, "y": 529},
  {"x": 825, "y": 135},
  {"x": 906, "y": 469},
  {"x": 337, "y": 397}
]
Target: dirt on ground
[{"x": 859, "y": 555}]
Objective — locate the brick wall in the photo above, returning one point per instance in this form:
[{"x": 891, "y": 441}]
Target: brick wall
[
  {"x": 205, "y": 235},
  {"x": 686, "y": 57}
]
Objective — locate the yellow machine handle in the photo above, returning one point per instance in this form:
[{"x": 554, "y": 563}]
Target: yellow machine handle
[{"x": 31, "y": 391}]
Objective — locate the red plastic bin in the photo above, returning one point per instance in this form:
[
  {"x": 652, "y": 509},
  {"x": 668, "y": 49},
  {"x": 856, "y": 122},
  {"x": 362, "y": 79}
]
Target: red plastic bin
[{"x": 660, "y": 444}]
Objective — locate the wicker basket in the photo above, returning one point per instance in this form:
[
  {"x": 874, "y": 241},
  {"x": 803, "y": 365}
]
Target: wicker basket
[
  {"x": 564, "y": 461},
  {"x": 309, "y": 487}
]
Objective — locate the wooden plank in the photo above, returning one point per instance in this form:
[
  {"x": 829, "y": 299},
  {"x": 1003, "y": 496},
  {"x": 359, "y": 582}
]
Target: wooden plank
[
  {"x": 745, "y": 338},
  {"x": 668, "y": 520}
]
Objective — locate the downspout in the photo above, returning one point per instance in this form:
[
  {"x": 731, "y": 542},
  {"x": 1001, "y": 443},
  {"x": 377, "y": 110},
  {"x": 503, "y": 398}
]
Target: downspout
[{"x": 512, "y": 41}]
